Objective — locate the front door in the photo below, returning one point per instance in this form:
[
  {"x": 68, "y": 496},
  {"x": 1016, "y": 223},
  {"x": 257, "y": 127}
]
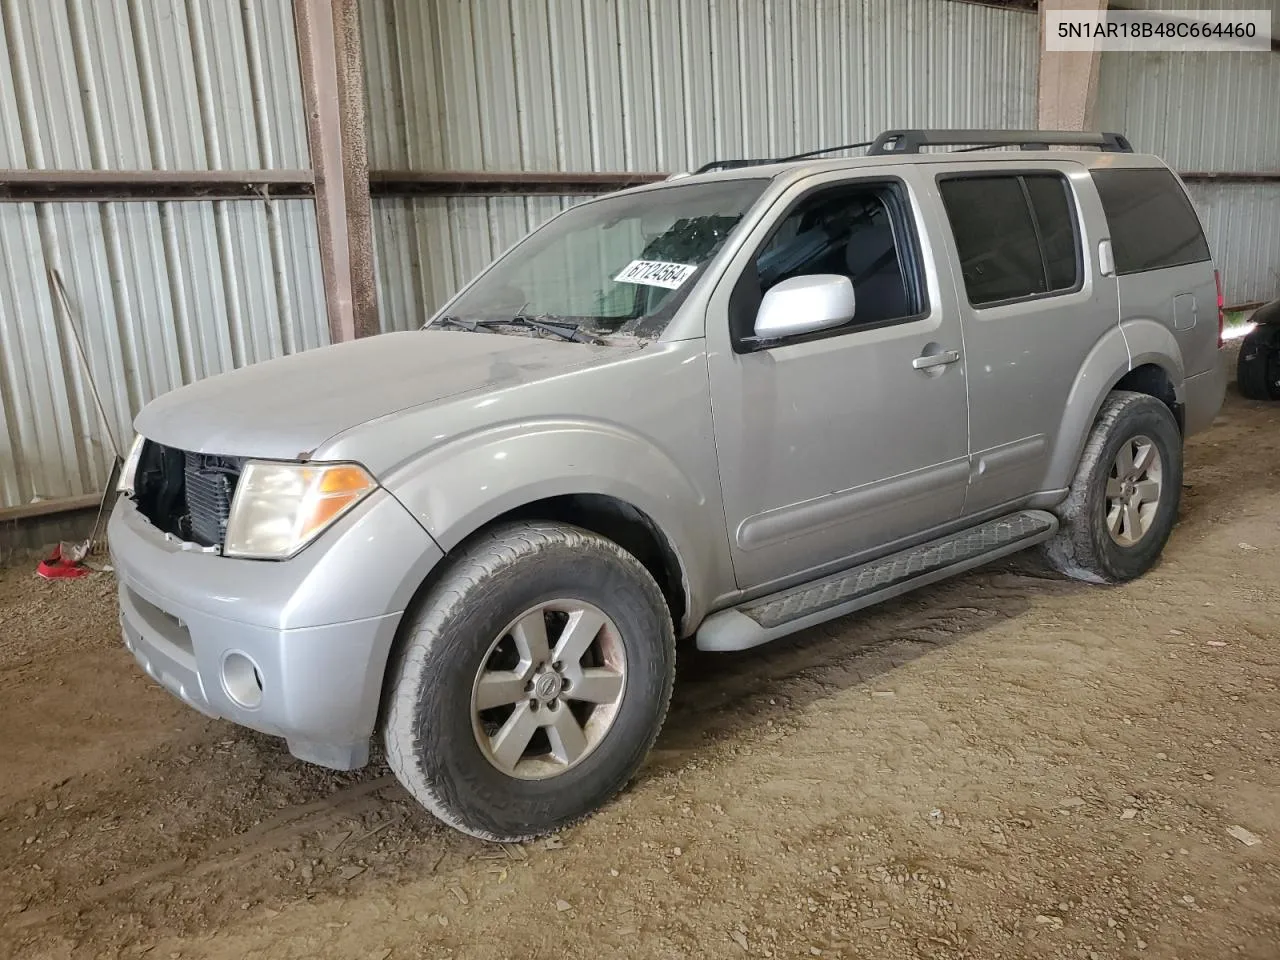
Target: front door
[{"x": 838, "y": 443}]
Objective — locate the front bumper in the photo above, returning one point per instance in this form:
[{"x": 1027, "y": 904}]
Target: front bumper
[{"x": 295, "y": 648}]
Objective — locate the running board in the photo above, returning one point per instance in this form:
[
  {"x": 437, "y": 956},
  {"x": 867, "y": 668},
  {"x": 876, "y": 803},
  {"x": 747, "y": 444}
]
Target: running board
[{"x": 768, "y": 618}]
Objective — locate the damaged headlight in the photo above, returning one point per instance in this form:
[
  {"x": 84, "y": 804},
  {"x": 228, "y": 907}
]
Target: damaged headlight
[{"x": 281, "y": 507}]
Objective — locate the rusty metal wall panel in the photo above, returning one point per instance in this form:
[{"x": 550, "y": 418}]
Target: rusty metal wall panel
[
  {"x": 163, "y": 294},
  {"x": 614, "y": 85},
  {"x": 150, "y": 84},
  {"x": 427, "y": 247},
  {"x": 1242, "y": 222}
]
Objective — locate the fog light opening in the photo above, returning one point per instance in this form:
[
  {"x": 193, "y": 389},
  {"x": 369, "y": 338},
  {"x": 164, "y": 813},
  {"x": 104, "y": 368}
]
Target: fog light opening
[{"x": 242, "y": 680}]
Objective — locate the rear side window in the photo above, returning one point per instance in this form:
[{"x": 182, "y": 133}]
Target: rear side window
[
  {"x": 1153, "y": 224},
  {"x": 1015, "y": 234}
]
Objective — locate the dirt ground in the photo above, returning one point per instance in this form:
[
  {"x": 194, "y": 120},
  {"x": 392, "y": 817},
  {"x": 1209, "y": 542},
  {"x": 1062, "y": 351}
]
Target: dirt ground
[{"x": 1008, "y": 765}]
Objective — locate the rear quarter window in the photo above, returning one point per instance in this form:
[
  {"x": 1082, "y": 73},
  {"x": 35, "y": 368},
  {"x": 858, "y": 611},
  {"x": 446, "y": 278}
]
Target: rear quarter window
[{"x": 1153, "y": 224}]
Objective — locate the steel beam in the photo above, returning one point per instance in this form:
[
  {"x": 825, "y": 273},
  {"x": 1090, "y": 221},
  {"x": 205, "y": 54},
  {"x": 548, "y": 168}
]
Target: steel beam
[
  {"x": 26, "y": 186},
  {"x": 333, "y": 91},
  {"x": 460, "y": 183}
]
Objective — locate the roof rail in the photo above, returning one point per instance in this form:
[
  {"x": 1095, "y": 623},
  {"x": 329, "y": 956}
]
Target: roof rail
[
  {"x": 910, "y": 141},
  {"x": 736, "y": 164},
  {"x": 731, "y": 164}
]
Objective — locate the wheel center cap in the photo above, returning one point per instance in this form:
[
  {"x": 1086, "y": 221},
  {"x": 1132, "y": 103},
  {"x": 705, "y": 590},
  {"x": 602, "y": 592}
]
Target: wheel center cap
[{"x": 547, "y": 686}]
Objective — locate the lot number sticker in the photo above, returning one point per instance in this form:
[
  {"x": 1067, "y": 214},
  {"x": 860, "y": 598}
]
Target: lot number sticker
[{"x": 656, "y": 273}]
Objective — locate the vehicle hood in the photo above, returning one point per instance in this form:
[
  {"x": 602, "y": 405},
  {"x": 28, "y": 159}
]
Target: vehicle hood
[{"x": 286, "y": 408}]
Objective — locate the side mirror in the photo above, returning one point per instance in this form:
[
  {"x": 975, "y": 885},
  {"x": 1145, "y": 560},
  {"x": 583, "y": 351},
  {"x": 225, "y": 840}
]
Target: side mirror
[{"x": 803, "y": 305}]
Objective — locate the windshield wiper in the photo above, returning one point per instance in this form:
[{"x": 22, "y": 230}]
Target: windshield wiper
[
  {"x": 470, "y": 325},
  {"x": 562, "y": 329},
  {"x": 559, "y": 328}
]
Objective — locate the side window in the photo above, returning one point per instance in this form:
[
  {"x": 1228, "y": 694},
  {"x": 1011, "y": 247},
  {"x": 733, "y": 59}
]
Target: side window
[
  {"x": 861, "y": 232},
  {"x": 1015, "y": 234},
  {"x": 1056, "y": 221},
  {"x": 1153, "y": 224}
]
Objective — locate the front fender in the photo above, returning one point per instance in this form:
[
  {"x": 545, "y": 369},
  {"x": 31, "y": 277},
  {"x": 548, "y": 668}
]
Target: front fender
[
  {"x": 457, "y": 488},
  {"x": 1121, "y": 349}
]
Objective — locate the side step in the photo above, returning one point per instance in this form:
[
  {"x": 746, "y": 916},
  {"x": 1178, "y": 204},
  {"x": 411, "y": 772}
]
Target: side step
[{"x": 768, "y": 618}]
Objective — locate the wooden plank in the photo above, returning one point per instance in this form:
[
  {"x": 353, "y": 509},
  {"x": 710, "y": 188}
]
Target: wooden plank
[{"x": 44, "y": 508}]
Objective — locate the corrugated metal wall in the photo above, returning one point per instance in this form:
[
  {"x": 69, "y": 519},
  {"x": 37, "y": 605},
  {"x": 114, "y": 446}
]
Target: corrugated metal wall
[
  {"x": 164, "y": 292},
  {"x": 650, "y": 85},
  {"x": 1242, "y": 221},
  {"x": 1210, "y": 112},
  {"x": 428, "y": 246}
]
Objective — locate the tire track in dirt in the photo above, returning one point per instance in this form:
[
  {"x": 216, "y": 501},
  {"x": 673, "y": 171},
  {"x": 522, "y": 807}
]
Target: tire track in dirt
[{"x": 229, "y": 853}]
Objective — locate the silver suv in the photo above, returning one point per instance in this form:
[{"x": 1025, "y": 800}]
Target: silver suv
[{"x": 724, "y": 407}]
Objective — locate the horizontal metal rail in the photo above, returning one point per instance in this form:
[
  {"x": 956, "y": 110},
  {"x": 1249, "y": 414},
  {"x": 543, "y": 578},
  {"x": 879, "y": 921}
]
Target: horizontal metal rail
[
  {"x": 457, "y": 183},
  {"x": 28, "y": 186},
  {"x": 1232, "y": 176},
  {"x": 45, "y": 508}
]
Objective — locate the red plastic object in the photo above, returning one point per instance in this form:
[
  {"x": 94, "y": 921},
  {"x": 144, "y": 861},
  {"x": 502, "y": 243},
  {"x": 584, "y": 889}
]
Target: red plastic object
[{"x": 57, "y": 567}]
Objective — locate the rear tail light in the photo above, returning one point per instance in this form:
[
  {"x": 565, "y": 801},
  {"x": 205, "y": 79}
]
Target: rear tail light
[{"x": 1222, "y": 313}]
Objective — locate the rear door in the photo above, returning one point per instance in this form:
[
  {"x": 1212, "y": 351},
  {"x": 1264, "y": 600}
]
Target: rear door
[
  {"x": 1162, "y": 259},
  {"x": 1032, "y": 306}
]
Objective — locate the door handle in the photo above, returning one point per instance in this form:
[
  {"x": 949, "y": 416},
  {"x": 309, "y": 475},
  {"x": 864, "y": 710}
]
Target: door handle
[{"x": 935, "y": 359}]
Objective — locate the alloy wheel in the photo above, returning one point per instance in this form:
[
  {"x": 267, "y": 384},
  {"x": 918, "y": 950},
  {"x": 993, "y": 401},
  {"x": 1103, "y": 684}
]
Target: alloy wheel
[
  {"x": 1134, "y": 486},
  {"x": 549, "y": 689}
]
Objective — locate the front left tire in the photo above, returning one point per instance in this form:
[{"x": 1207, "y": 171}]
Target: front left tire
[{"x": 533, "y": 678}]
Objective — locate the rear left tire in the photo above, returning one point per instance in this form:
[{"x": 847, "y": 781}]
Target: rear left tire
[{"x": 1124, "y": 498}]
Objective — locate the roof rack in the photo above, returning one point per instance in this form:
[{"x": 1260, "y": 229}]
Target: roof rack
[
  {"x": 910, "y": 141},
  {"x": 731, "y": 165}
]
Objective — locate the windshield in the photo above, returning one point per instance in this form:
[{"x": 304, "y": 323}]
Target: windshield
[{"x": 619, "y": 265}]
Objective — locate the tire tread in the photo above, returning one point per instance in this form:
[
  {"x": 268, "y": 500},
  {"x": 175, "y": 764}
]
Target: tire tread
[
  {"x": 473, "y": 576},
  {"x": 1078, "y": 550}
]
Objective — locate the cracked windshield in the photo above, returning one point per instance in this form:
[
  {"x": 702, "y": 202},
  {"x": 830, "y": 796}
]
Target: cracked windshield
[{"x": 619, "y": 266}]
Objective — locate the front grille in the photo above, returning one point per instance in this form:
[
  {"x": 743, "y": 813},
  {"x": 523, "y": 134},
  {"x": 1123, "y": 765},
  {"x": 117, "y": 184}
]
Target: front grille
[
  {"x": 210, "y": 483},
  {"x": 187, "y": 494}
]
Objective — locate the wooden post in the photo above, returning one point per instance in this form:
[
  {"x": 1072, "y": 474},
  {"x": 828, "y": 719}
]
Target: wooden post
[{"x": 333, "y": 90}]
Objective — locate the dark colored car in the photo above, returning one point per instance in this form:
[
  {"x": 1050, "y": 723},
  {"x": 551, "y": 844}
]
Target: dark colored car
[{"x": 1258, "y": 369}]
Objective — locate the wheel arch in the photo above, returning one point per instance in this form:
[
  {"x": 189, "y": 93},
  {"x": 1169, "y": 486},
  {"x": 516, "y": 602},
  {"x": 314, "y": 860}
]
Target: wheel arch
[
  {"x": 617, "y": 520},
  {"x": 1140, "y": 356},
  {"x": 1154, "y": 380},
  {"x": 611, "y": 517}
]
